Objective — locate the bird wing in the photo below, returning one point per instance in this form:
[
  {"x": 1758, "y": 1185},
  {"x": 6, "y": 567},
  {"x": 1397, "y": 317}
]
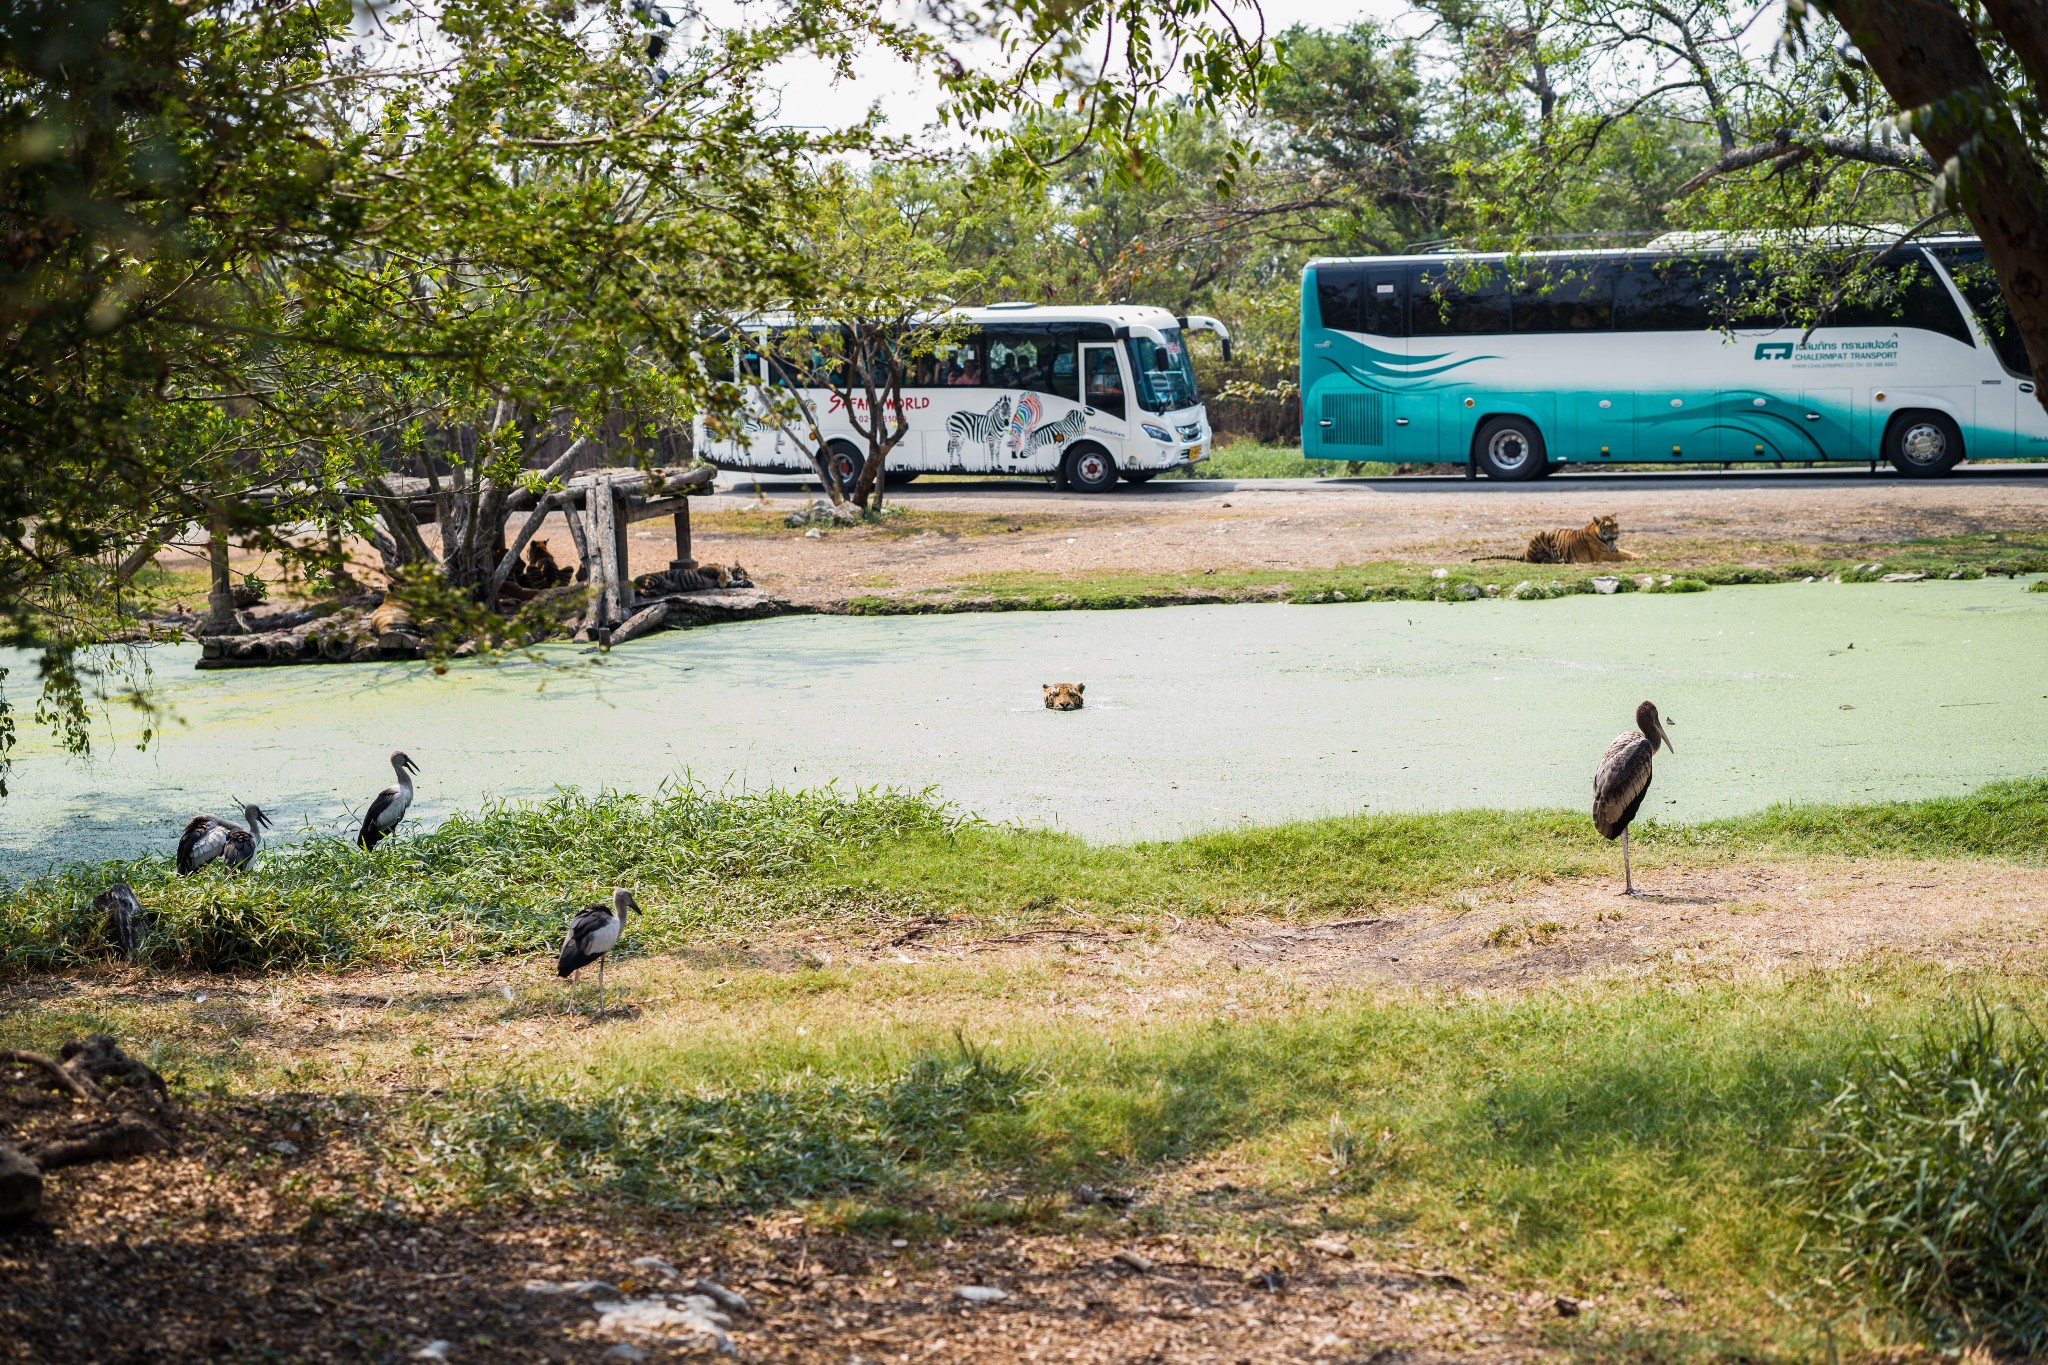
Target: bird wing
[
  {"x": 204, "y": 838},
  {"x": 378, "y": 820},
  {"x": 240, "y": 846},
  {"x": 591, "y": 935},
  {"x": 1620, "y": 783}
]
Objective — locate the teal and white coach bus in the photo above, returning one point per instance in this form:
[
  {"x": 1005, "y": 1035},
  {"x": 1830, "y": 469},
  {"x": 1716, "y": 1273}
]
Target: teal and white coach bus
[{"x": 1512, "y": 366}]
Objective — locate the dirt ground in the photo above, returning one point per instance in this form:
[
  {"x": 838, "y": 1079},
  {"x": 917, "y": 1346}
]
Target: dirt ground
[{"x": 224, "y": 1248}]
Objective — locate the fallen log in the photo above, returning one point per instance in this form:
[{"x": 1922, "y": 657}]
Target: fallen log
[
  {"x": 79, "y": 1087},
  {"x": 648, "y": 618},
  {"x": 125, "y": 1134}
]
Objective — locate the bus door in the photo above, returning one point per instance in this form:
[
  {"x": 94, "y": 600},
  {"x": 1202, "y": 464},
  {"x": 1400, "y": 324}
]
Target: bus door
[
  {"x": 1103, "y": 387},
  {"x": 1828, "y": 418}
]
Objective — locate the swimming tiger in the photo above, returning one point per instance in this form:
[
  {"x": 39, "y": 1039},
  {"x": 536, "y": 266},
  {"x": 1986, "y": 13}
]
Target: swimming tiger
[
  {"x": 1063, "y": 696},
  {"x": 1593, "y": 543}
]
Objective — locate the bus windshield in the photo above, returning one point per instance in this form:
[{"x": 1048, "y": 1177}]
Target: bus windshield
[{"x": 1164, "y": 375}]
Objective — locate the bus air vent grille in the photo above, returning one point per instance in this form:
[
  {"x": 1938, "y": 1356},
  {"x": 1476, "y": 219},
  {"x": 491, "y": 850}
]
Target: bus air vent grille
[{"x": 1356, "y": 419}]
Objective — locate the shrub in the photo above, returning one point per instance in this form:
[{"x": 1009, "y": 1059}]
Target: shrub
[{"x": 1928, "y": 1176}]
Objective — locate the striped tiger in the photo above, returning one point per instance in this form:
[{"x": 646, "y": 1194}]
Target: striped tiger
[
  {"x": 984, "y": 427},
  {"x": 1593, "y": 543}
]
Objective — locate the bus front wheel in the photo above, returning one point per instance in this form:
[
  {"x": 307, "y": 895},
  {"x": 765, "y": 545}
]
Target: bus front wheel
[
  {"x": 1090, "y": 469},
  {"x": 1509, "y": 448},
  {"x": 1923, "y": 445}
]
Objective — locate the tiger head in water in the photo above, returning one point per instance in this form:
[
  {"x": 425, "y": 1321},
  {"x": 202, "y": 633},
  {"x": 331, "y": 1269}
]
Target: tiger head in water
[{"x": 1063, "y": 696}]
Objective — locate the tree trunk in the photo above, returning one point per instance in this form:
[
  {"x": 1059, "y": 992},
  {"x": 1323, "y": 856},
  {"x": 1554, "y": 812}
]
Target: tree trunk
[{"x": 1927, "y": 58}]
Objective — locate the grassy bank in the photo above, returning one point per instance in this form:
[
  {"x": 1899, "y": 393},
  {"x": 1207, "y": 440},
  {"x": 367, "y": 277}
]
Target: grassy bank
[
  {"x": 500, "y": 882},
  {"x": 1634, "y": 1148}
]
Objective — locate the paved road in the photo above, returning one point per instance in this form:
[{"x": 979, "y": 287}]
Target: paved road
[{"x": 1575, "y": 479}]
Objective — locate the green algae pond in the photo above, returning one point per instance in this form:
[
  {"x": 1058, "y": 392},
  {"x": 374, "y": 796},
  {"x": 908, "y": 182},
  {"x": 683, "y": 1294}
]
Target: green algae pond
[{"x": 1197, "y": 717}]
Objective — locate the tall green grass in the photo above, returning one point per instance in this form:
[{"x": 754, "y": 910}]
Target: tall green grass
[
  {"x": 503, "y": 881},
  {"x": 1929, "y": 1176}
]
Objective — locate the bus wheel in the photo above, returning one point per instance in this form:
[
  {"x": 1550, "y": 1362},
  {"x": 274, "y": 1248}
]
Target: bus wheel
[
  {"x": 845, "y": 462},
  {"x": 1509, "y": 448},
  {"x": 1923, "y": 445},
  {"x": 1139, "y": 475},
  {"x": 1090, "y": 469}
]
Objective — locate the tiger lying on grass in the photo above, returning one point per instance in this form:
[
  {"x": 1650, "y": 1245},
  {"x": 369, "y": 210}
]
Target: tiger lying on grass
[{"x": 1593, "y": 543}]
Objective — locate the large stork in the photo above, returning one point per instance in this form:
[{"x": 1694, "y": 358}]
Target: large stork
[
  {"x": 592, "y": 934},
  {"x": 208, "y": 837},
  {"x": 390, "y": 805},
  {"x": 1623, "y": 779}
]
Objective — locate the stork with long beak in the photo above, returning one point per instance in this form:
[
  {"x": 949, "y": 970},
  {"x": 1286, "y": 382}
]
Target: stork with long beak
[
  {"x": 390, "y": 805},
  {"x": 1623, "y": 779},
  {"x": 208, "y": 837},
  {"x": 592, "y": 934}
]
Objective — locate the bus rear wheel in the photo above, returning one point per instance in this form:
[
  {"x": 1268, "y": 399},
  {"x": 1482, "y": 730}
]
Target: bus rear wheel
[
  {"x": 845, "y": 463},
  {"x": 1923, "y": 445},
  {"x": 1090, "y": 469},
  {"x": 1509, "y": 448}
]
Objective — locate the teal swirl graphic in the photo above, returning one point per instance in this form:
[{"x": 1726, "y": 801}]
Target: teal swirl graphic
[{"x": 1384, "y": 365}]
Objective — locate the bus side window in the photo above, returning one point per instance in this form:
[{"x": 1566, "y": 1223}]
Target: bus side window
[
  {"x": 1968, "y": 266},
  {"x": 1910, "y": 296},
  {"x": 1662, "y": 295},
  {"x": 1570, "y": 294},
  {"x": 1458, "y": 298},
  {"x": 959, "y": 363},
  {"x": 1063, "y": 377},
  {"x": 1382, "y": 303},
  {"x": 1337, "y": 288}
]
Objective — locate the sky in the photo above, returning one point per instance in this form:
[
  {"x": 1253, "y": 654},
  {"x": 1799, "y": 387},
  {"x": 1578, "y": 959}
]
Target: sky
[{"x": 810, "y": 97}]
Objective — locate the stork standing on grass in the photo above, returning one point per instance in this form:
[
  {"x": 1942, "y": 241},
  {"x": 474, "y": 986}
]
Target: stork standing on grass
[
  {"x": 208, "y": 837},
  {"x": 390, "y": 805},
  {"x": 1623, "y": 779},
  {"x": 592, "y": 934}
]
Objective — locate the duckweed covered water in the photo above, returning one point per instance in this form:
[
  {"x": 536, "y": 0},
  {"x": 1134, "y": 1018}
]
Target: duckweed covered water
[{"x": 1196, "y": 717}]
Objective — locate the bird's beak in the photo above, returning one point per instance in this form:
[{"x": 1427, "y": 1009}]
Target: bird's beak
[{"x": 1665, "y": 735}]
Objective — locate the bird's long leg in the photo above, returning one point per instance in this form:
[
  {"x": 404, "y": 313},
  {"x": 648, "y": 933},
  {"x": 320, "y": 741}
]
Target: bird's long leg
[
  {"x": 600, "y": 988},
  {"x": 1628, "y": 881}
]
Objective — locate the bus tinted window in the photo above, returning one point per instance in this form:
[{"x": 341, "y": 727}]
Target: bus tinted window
[
  {"x": 1040, "y": 359},
  {"x": 1337, "y": 296},
  {"x": 1971, "y": 270},
  {"x": 1907, "y": 294},
  {"x": 1566, "y": 295},
  {"x": 1662, "y": 296},
  {"x": 1458, "y": 298}
]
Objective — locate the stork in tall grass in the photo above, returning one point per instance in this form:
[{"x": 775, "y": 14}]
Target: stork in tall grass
[
  {"x": 593, "y": 933},
  {"x": 389, "y": 806},
  {"x": 208, "y": 837},
  {"x": 1623, "y": 780}
]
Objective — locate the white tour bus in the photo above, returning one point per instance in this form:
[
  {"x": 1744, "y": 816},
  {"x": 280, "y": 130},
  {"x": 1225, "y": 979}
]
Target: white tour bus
[
  {"x": 1513, "y": 367},
  {"x": 1081, "y": 394}
]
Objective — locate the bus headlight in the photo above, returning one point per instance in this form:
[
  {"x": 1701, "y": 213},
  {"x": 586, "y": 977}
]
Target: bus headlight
[{"x": 1159, "y": 434}]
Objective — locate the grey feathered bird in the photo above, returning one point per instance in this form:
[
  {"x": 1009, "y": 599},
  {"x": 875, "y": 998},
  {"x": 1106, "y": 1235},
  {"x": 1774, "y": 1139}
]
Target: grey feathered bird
[
  {"x": 389, "y": 805},
  {"x": 1623, "y": 779},
  {"x": 593, "y": 933},
  {"x": 208, "y": 837}
]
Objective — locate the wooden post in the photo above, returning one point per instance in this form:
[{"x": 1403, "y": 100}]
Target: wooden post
[
  {"x": 683, "y": 562},
  {"x": 220, "y": 602},
  {"x": 621, "y": 525},
  {"x": 604, "y": 554}
]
